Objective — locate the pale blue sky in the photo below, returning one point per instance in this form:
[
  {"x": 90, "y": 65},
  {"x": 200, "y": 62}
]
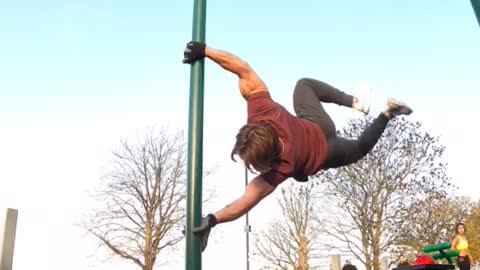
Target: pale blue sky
[{"x": 76, "y": 76}]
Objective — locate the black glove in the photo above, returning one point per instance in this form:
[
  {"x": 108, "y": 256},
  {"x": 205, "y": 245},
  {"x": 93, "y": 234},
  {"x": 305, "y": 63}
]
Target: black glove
[
  {"x": 194, "y": 51},
  {"x": 207, "y": 223}
]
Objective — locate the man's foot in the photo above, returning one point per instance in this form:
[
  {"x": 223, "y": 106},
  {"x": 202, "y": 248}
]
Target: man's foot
[
  {"x": 364, "y": 99},
  {"x": 396, "y": 108}
]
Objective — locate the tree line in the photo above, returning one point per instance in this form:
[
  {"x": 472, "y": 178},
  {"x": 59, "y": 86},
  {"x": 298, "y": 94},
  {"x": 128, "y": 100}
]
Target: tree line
[{"x": 392, "y": 203}]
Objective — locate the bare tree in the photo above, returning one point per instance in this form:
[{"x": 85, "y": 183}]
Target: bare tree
[
  {"x": 291, "y": 243},
  {"x": 142, "y": 199},
  {"x": 428, "y": 221},
  {"x": 371, "y": 196}
]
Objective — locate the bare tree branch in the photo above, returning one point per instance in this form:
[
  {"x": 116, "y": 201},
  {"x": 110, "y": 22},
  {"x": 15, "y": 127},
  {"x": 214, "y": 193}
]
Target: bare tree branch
[
  {"x": 143, "y": 198},
  {"x": 291, "y": 243},
  {"x": 371, "y": 196}
]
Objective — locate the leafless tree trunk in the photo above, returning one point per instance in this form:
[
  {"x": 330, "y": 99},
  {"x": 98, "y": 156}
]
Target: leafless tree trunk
[
  {"x": 291, "y": 243},
  {"x": 302, "y": 253},
  {"x": 142, "y": 199}
]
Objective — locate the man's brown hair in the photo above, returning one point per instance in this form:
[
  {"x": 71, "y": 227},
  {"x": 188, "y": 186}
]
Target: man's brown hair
[{"x": 256, "y": 145}]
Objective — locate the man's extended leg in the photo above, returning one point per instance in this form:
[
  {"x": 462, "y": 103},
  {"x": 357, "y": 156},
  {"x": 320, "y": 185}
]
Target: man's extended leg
[
  {"x": 344, "y": 152},
  {"x": 307, "y": 98}
]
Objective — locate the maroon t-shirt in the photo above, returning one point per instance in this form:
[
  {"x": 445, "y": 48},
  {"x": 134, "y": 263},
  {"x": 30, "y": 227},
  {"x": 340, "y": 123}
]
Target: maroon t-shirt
[{"x": 304, "y": 143}]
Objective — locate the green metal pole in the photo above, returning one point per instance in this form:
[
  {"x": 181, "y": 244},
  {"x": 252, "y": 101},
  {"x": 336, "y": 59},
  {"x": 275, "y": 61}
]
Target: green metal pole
[
  {"x": 476, "y": 9},
  {"x": 193, "y": 255}
]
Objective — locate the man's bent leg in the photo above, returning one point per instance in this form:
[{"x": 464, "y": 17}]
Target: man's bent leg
[
  {"x": 308, "y": 105},
  {"x": 327, "y": 93},
  {"x": 342, "y": 152}
]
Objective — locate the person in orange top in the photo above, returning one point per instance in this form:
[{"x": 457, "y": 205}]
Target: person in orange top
[{"x": 460, "y": 243}]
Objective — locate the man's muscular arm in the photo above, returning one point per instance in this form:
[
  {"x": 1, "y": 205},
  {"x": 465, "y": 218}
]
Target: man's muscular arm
[
  {"x": 249, "y": 82},
  {"x": 256, "y": 190}
]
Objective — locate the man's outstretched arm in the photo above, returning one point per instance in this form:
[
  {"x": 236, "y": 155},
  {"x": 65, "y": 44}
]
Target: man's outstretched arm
[
  {"x": 229, "y": 62},
  {"x": 249, "y": 81},
  {"x": 256, "y": 190}
]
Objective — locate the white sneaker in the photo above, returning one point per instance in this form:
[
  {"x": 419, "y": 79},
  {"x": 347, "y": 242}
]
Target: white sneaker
[{"x": 365, "y": 98}]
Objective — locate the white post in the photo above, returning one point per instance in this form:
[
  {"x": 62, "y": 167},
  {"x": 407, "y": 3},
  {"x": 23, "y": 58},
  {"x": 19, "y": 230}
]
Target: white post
[
  {"x": 384, "y": 263},
  {"x": 335, "y": 263},
  {"x": 7, "y": 239}
]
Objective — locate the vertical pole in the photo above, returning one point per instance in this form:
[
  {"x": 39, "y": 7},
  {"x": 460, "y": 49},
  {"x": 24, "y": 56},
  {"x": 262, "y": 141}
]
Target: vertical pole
[
  {"x": 7, "y": 240},
  {"x": 247, "y": 228},
  {"x": 335, "y": 262},
  {"x": 193, "y": 256},
  {"x": 384, "y": 263},
  {"x": 476, "y": 9}
]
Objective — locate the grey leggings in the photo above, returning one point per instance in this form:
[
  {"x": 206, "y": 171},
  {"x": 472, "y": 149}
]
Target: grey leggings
[{"x": 307, "y": 103}]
